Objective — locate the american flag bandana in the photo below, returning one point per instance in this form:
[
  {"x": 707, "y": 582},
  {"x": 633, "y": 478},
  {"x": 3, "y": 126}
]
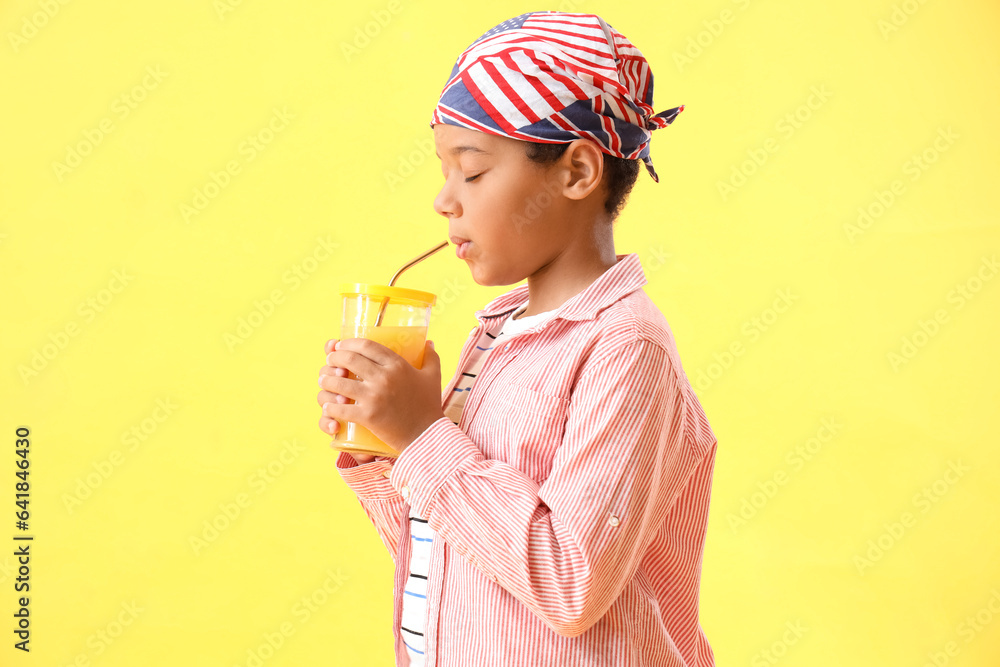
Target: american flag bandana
[{"x": 554, "y": 77}]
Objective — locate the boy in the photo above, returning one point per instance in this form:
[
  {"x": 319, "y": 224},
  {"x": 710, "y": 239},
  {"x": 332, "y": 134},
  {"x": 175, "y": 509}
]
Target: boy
[{"x": 551, "y": 507}]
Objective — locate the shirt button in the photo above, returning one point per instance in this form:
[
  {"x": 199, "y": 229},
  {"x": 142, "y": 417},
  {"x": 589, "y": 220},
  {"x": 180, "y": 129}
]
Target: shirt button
[
  {"x": 405, "y": 492},
  {"x": 614, "y": 520},
  {"x": 386, "y": 474}
]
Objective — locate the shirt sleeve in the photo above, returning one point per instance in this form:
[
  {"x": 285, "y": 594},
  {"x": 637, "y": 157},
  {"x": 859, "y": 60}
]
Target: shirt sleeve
[
  {"x": 382, "y": 503},
  {"x": 565, "y": 548}
]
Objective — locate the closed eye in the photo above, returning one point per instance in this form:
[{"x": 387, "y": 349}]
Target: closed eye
[{"x": 472, "y": 178}]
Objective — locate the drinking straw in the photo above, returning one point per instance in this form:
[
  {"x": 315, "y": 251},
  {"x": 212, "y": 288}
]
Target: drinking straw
[{"x": 385, "y": 300}]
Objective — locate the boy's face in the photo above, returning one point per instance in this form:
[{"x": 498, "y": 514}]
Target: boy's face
[{"x": 511, "y": 211}]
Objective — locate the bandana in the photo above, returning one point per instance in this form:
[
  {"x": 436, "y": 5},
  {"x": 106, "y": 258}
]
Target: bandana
[{"x": 554, "y": 77}]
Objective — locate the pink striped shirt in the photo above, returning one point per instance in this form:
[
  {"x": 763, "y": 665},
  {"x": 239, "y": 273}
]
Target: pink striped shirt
[{"x": 570, "y": 502}]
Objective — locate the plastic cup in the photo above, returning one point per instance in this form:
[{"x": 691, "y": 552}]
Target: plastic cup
[{"x": 403, "y": 329}]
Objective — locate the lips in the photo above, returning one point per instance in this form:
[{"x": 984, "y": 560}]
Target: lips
[{"x": 462, "y": 249}]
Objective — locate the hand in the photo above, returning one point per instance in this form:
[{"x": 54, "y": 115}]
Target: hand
[
  {"x": 392, "y": 399},
  {"x": 329, "y": 425}
]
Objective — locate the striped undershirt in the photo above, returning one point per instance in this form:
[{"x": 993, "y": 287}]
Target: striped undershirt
[{"x": 414, "y": 616}]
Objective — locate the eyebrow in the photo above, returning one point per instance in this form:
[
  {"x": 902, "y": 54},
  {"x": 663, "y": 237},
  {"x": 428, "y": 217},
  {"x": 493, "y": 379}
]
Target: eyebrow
[{"x": 458, "y": 150}]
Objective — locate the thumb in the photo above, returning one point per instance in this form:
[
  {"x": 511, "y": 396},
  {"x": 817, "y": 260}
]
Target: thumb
[{"x": 430, "y": 353}]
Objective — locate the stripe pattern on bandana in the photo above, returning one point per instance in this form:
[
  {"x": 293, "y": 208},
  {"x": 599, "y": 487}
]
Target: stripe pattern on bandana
[{"x": 553, "y": 77}]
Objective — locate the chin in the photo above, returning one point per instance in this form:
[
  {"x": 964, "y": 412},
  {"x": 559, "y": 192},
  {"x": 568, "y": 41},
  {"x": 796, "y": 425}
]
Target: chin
[
  {"x": 483, "y": 279},
  {"x": 483, "y": 276}
]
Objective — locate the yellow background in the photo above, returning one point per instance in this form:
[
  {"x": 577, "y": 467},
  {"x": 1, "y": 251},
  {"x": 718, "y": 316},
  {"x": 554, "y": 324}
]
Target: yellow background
[{"x": 347, "y": 165}]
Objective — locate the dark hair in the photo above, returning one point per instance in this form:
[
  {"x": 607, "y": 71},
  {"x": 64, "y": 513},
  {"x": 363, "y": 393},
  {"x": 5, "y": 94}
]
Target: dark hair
[{"x": 619, "y": 173}]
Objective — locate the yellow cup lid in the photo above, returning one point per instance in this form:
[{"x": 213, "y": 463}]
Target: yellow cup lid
[{"x": 391, "y": 292}]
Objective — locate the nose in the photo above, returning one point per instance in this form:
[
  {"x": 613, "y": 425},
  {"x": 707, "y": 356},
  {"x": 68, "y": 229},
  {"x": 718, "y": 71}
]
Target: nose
[{"x": 446, "y": 203}]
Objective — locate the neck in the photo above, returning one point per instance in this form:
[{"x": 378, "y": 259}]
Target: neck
[{"x": 569, "y": 272}]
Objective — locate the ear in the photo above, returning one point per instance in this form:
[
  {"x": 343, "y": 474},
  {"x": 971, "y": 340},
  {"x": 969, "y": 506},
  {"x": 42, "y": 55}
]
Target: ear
[{"x": 583, "y": 163}]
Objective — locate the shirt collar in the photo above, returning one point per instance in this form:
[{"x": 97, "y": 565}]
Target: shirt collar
[{"x": 625, "y": 277}]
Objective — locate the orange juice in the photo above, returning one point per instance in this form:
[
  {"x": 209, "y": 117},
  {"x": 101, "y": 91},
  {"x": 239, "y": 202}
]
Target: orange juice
[
  {"x": 407, "y": 342},
  {"x": 395, "y": 317}
]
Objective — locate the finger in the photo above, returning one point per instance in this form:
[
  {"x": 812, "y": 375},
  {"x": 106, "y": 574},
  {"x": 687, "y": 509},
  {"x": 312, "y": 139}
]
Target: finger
[
  {"x": 329, "y": 426},
  {"x": 330, "y": 397},
  {"x": 343, "y": 386},
  {"x": 329, "y": 345},
  {"x": 376, "y": 353},
  {"x": 386, "y": 353},
  {"x": 331, "y": 370},
  {"x": 329, "y": 409},
  {"x": 343, "y": 413},
  {"x": 325, "y": 397},
  {"x": 356, "y": 362}
]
